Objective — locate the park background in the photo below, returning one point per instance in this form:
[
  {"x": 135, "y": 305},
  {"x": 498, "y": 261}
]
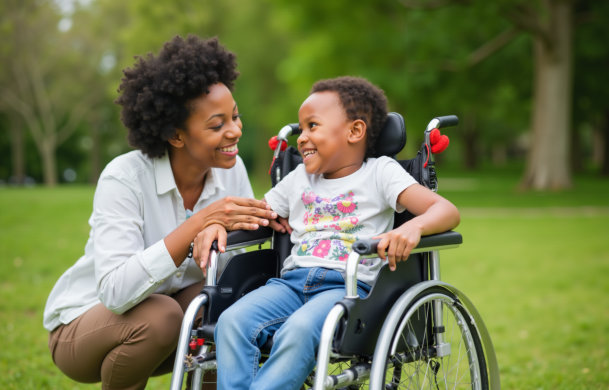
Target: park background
[{"x": 528, "y": 164}]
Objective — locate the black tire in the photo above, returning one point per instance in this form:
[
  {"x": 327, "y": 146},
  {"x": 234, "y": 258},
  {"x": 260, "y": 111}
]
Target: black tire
[{"x": 413, "y": 361}]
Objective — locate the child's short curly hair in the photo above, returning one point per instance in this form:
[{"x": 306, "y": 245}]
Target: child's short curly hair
[
  {"x": 361, "y": 100},
  {"x": 155, "y": 93}
]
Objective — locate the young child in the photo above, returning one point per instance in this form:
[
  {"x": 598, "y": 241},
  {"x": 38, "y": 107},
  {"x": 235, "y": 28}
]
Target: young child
[{"x": 338, "y": 195}]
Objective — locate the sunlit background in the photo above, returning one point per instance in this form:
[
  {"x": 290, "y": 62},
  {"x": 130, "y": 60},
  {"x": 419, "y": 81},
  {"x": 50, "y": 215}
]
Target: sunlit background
[
  {"x": 527, "y": 78},
  {"x": 528, "y": 164}
]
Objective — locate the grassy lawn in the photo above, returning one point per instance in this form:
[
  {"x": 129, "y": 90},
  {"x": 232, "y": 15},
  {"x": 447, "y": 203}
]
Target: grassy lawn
[{"x": 535, "y": 265}]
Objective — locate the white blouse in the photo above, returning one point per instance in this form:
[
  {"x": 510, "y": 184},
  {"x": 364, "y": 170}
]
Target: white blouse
[{"x": 136, "y": 205}]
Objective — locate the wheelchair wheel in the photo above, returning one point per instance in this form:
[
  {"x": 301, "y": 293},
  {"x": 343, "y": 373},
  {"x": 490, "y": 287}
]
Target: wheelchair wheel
[{"x": 435, "y": 346}]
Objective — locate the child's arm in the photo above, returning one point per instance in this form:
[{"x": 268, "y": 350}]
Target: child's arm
[
  {"x": 433, "y": 214},
  {"x": 280, "y": 224}
]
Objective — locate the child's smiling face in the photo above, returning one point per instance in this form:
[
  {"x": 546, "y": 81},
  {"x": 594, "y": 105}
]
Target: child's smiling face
[{"x": 323, "y": 143}]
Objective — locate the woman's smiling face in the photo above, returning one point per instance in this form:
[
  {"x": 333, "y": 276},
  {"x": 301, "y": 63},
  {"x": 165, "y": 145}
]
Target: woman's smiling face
[{"x": 213, "y": 129}]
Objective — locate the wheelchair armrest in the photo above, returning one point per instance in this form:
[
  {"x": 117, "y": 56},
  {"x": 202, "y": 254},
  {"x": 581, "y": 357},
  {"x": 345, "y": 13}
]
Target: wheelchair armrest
[
  {"x": 368, "y": 248},
  {"x": 444, "y": 240},
  {"x": 238, "y": 239}
]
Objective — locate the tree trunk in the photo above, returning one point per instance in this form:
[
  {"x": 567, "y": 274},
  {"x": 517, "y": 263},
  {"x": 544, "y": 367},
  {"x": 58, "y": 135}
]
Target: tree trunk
[
  {"x": 470, "y": 138},
  {"x": 548, "y": 159},
  {"x": 49, "y": 163},
  {"x": 605, "y": 145},
  {"x": 95, "y": 153},
  {"x": 17, "y": 154}
]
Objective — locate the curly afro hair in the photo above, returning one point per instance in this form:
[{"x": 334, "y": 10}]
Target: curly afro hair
[
  {"x": 361, "y": 100},
  {"x": 155, "y": 93}
]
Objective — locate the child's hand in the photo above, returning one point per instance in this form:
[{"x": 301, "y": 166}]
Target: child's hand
[
  {"x": 203, "y": 241},
  {"x": 281, "y": 225},
  {"x": 397, "y": 244}
]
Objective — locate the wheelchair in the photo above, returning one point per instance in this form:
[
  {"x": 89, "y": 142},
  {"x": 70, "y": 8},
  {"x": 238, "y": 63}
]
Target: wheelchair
[{"x": 412, "y": 331}]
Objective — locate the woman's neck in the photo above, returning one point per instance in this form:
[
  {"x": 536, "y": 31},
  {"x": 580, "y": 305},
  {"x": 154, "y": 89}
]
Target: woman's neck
[{"x": 189, "y": 179}]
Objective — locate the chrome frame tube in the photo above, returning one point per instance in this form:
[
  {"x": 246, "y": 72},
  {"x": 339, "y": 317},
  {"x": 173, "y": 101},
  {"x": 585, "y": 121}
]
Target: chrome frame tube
[
  {"x": 212, "y": 269},
  {"x": 197, "y": 378},
  {"x": 283, "y": 135},
  {"x": 325, "y": 346},
  {"x": 177, "y": 376},
  {"x": 442, "y": 349},
  {"x": 432, "y": 125},
  {"x": 351, "y": 275}
]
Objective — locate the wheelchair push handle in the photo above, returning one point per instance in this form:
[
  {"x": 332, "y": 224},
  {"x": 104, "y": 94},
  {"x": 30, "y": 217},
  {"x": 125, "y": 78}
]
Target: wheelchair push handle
[
  {"x": 442, "y": 121},
  {"x": 288, "y": 130},
  {"x": 448, "y": 120}
]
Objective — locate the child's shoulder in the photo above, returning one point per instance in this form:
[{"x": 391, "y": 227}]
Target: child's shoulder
[{"x": 382, "y": 162}]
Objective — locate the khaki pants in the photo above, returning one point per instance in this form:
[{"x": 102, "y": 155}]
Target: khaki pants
[{"x": 122, "y": 351}]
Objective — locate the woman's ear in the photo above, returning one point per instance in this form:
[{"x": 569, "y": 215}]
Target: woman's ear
[
  {"x": 177, "y": 140},
  {"x": 357, "y": 131}
]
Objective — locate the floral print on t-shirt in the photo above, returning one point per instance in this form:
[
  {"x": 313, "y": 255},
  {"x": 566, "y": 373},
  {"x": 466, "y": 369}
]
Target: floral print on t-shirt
[{"x": 331, "y": 225}]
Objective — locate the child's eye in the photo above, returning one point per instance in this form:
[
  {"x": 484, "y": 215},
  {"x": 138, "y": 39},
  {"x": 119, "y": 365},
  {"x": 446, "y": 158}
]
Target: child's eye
[
  {"x": 218, "y": 127},
  {"x": 312, "y": 125}
]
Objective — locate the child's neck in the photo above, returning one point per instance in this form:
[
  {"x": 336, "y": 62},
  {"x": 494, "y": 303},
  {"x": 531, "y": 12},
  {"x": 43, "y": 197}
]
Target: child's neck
[{"x": 344, "y": 171}]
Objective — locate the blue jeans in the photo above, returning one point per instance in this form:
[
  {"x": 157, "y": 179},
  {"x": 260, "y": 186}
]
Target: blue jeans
[{"x": 292, "y": 311}]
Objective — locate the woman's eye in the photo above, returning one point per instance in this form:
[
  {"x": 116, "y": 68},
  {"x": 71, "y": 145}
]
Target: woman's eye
[
  {"x": 218, "y": 127},
  {"x": 236, "y": 116}
]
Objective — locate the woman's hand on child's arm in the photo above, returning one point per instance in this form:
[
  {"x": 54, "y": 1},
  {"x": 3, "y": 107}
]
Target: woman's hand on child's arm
[{"x": 202, "y": 244}]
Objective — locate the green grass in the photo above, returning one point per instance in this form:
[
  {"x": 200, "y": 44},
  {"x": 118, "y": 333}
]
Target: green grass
[{"x": 534, "y": 264}]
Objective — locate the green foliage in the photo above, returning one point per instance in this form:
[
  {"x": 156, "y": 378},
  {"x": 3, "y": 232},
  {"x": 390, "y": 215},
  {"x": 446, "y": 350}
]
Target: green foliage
[{"x": 427, "y": 58}]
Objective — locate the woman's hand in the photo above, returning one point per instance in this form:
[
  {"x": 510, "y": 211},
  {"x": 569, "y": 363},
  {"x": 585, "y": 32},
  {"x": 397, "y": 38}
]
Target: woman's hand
[
  {"x": 397, "y": 244},
  {"x": 234, "y": 213},
  {"x": 202, "y": 244}
]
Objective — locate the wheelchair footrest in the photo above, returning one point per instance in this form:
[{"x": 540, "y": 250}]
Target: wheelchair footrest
[{"x": 206, "y": 361}]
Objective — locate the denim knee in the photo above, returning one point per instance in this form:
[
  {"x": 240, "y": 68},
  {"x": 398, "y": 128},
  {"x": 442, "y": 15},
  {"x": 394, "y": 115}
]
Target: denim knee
[{"x": 227, "y": 322}]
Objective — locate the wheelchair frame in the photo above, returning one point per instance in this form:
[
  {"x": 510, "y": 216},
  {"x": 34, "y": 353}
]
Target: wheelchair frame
[{"x": 428, "y": 298}]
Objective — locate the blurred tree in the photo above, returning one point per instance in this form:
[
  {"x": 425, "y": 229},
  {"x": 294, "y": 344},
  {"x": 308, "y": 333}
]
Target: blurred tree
[
  {"x": 466, "y": 57},
  {"x": 550, "y": 24},
  {"x": 470, "y": 56},
  {"x": 46, "y": 81},
  {"x": 10, "y": 21},
  {"x": 591, "y": 103},
  {"x": 249, "y": 29},
  {"x": 429, "y": 63}
]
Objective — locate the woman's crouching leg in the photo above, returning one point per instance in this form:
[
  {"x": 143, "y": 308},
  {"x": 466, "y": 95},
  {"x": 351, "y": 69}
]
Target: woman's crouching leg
[{"x": 122, "y": 351}]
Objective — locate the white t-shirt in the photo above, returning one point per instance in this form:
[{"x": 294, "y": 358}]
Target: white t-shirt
[
  {"x": 136, "y": 205},
  {"x": 328, "y": 215}
]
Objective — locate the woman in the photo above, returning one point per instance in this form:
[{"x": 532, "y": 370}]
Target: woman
[{"x": 115, "y": 315}]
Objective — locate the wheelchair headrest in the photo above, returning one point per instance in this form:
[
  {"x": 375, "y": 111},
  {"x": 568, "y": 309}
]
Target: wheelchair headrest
[{"x": 393, "y": 136}]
